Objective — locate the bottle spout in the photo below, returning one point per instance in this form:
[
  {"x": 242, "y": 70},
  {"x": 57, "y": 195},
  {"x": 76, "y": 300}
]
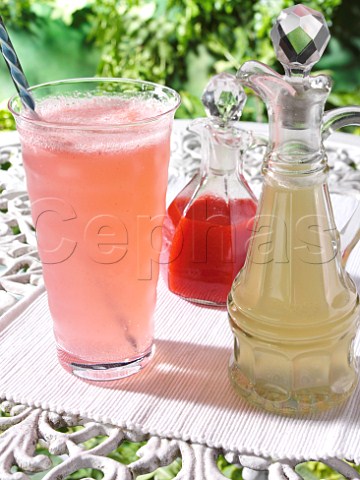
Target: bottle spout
[
  {"x": 295, "y": 109},
  {"x": 264, "y": 81}
]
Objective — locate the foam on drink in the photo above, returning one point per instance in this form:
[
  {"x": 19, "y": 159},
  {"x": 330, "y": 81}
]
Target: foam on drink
[{"x": 121, "y": 119}]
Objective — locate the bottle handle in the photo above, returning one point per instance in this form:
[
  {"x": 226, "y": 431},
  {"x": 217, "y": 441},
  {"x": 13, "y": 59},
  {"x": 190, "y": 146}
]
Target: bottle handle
[
  {"x": 334, "y": 120},
  {"x": 338, "y": 118}
]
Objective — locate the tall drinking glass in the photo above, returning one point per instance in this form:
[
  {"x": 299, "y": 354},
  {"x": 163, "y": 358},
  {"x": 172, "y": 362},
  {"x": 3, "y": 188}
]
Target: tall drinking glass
[{"x": 96, "y": 159}]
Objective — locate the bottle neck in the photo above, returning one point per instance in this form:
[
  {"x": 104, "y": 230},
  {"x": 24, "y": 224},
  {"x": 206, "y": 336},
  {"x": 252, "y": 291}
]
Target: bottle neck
[
  {"x": 222, "y": 148},
  {"x": 222, "y": 159},
  {"x": 295, "y": 144}
]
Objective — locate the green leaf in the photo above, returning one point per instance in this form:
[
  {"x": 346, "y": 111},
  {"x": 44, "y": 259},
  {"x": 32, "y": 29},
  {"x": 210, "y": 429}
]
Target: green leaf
[
  {"x": 126, "y": 452},
  {"x": 191, "y": 106},
  {"x": 230, "y": 471},
  {"x": 163, "y": 473},
  {"x": 65, "y": 9},
  {"x": 304, "y": 470},
  {"x": 317, "y": 471},
  {"x": 7, "y": 121}
]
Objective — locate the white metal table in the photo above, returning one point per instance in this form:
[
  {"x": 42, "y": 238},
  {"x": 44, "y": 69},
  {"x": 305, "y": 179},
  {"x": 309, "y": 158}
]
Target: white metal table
[{"x": 20, "y": 272}]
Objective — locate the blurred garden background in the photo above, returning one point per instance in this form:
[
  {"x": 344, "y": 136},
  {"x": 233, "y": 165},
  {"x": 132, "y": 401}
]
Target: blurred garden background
[
  {"x": 180, "y": 43},
  {"x": 177, "y": 42}
]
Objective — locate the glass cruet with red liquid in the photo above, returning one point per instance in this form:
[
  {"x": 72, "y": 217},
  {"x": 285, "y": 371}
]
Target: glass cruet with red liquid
[{"x": 209, "y": 222}]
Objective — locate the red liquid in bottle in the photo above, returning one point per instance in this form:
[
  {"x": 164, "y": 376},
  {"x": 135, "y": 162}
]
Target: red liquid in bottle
[{"x": 206, "y": 245}]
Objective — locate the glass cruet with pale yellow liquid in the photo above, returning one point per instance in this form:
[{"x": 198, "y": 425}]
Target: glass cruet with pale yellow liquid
[{"x": 293, "y": 308}]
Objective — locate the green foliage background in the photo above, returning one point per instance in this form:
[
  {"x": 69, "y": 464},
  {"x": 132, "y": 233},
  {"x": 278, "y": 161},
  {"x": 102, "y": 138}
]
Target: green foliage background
[{"x": 177, "y": 42}]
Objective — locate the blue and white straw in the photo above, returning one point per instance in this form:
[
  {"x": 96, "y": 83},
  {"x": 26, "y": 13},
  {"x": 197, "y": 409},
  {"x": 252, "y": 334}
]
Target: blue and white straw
[{"x": 14, "y": 66}]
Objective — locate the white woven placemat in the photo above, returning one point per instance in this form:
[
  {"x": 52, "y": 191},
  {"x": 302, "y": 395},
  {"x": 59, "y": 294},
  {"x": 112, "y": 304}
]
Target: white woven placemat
[{"x": 185, "y": 393}]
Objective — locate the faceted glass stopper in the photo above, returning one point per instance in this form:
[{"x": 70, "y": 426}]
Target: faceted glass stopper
[
  {"x": 300, "y": 36},
  {"x": 224, "y": 97}
]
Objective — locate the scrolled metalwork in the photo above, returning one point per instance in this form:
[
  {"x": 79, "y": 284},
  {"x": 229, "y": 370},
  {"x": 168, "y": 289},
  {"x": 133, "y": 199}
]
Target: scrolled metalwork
[{"x": 67, "y": 436}]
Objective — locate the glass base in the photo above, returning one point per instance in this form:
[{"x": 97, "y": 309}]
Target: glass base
[
  {"x": 199, "y": 301},
  {"x": 291, "y": 403},
  {"x": 206, "y": 303},
  {"x": 103, "y": 372}
]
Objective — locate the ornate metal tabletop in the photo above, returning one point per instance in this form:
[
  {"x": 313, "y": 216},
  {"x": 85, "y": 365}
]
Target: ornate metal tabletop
[{"x": 56, "y": 446}]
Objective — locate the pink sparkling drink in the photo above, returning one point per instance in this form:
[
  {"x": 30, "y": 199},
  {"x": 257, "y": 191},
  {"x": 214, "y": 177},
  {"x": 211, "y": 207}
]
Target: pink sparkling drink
[{"x": 96, "y": 161}]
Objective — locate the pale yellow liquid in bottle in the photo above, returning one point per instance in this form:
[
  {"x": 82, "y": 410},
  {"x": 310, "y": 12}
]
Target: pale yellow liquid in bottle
[{"x": 293, "y": 309}]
